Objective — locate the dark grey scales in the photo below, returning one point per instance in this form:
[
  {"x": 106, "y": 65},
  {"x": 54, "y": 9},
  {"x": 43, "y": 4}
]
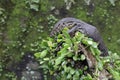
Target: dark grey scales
[{"x": 77, "y": 25}]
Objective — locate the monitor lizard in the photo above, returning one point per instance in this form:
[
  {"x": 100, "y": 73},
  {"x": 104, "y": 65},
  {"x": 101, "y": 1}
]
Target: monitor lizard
[{"x": 74, "y": 25}]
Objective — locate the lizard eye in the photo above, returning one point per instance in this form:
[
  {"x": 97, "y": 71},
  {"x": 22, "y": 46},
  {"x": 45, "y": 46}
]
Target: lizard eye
[{"x": 81, "y": 30}]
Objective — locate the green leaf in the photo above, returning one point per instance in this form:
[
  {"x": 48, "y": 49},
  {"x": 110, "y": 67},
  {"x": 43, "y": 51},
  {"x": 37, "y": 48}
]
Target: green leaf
[
  {"x": 76, "y": 46},
  {"x": 92, "y": 50},
  {"x": 60, "y": 36},
  {"x": 79, "y": 38},
  {"x": 90, "y": 42},
  {"x": 84, "y": 41},
  {"x": 80, "y": 71},
  {"x": 44, "y": 66},
  {"x": 50, "y": 44},
  {"x": 72, "y": 71},
  {"x": 94, "y": 45},
  {"x": 59, "y": 40},
  {"x": 65, "y": 68},
  {"x": 89, "y": 77},
  {"x": 70, "y": 54},
  {"x": 62, "y": 52},
  {"x": 41, "y": 62},
  {"x": 64, "y": 63},
  {"x": 68, "y": 41},
  {"x": 66, "y": 46},
  {"x": 116, "y": 75},
  {"x": 46, "y": 59},
  {"x": 37, "y": 55},
  {"x": 43, "y": 53},
  {"x": 97, "y": 51},
  {"x": 65, "y": 33},
  {"x": 58, "y": 60},
  {"x": 82, "y": 57},
  {"x": 86, "y": 67},
  {"x": 44, "y": 44},
  {"x": 35, "y": 1},
  {"x": 100, "y": 65},
  {"x": 75, "y": 58},
  {"x": 112, "y": 2},
  {"x": 75, "y": 77},
  {"x": 69, "y": 76},
  {"x": 34, "y": 7},
  {"x": 77, "y": 73}
]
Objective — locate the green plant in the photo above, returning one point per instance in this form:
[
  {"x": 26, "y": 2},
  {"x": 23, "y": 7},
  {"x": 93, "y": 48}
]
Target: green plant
[
  {"x": 64, "y": 58},
  {"x": 64, "y": 61},
  {"x": 1, "y": 68},
  {"x": 33, "y": 4},
  {"x": 113, "y": 65},
  {"x": 6, "y": 75},
  {"x": 112, "y": 2},
  {"x": 51, "y": 21},
  {"x": 2, "y": 16},
  {"x": 10, "y": 76}
]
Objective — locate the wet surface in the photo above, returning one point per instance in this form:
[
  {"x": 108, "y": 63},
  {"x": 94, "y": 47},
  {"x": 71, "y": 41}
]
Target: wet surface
[{"x": 28, "y": 69}]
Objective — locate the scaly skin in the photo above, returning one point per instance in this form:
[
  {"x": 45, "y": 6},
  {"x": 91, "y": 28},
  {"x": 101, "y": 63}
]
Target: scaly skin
[{"x": 77, "y": 25}]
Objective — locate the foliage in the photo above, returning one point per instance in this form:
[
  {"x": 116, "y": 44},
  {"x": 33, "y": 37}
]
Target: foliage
[
  {"x": 33, "y": 4},
  {"x": 62, "y": 61},
  {"x": 51, "y": 21},
  {"x": 1, "y": 68},
  {"x": 113, "y": 65},
  {"x": 8, "y": 75},
  {"x": 113, "y": 2},
  {"x": 2, "y": 16}
]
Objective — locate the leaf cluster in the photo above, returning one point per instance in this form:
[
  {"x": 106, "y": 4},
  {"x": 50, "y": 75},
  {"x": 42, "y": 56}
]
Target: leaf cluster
[{"x": 64, "y": 59}]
